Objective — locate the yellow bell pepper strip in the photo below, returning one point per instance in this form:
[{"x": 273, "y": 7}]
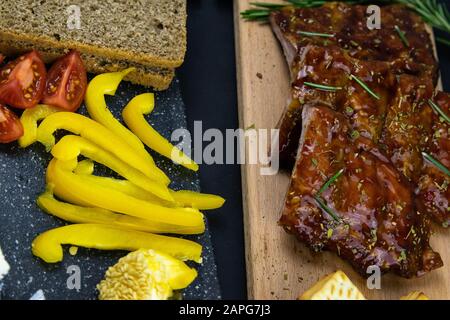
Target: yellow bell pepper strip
[
  {"x": 145, "y": 275},
  {"x": 201, "y": 201},
  {"x": 133, "y": 115},
  {"x": 48, "y": 245},
  {"x": 182, "y": 198},
  {"x": 128, "y": 188},
  {"x": 101, "y": 136},
  {"x": 70, "y": 187},
  {"x": 85, "y": 167},
  {"x": 78, "y": 214},
  {"x": 29, "y": 120},
  {"x": 106, "y": 84},
  {"x": 70, "y": 147}
]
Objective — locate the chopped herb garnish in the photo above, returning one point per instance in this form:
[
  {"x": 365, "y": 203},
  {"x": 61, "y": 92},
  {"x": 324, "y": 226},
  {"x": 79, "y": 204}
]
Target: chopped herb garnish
[
  {"x": 330, "y": 233},
  {"x": 315, "y": 34},
  {"x": 322, "y": 86},
  {"x": 349, "y": 110},
  {"x": 402, "y": 36},
  {"x": 314, "y": 162},
  {"x": 439, "y": 111},
  {"x": 329, "y": 182},
  {"x": 327, "y": 209},
  {"x": 436, "y": 163},
  {"x": 365, "y": 87},
  {"x": 402, "y": 256},
  {"x": 355, "y": 134}
]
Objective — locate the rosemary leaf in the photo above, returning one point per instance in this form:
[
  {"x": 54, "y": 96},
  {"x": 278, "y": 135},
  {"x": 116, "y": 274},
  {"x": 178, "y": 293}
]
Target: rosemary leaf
[
  {"x": 402, "y": 36},
  {"x": 365, "y": 87},
  {"x": 321, "y": 86},
  {"x": 439, "y": 111},
  {"x": 443, "y": 41},
  {"x": 436, "y": 163},
  {"x": 326, "y": 208},
  {"x": 315, "y": 34},
  {"x": 331, "y": 181}
]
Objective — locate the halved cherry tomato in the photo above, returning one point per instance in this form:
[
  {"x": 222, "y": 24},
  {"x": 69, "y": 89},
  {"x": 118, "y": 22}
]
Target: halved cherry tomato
[
  {"x": 10, "y": 127},
  {"x": 22, "y": 81},
  {"x": 66, "y": 82}
]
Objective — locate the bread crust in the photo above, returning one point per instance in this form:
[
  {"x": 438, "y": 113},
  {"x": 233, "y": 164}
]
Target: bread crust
[
  {"x": 107, "y": 53},
  {"x": 158, "y": 78}
]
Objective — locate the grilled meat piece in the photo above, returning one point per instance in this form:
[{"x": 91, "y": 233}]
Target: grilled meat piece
[
  {"x": 349, "y": 27},
  {"x": 434, "y": 185},
  {"x": 407, "y": 130},
  {"x": 377, "y": 222},
  {"x": 412, "y": 127},
  {"x": 361, "y": 49},
  {"x": 332, "y": 66}
]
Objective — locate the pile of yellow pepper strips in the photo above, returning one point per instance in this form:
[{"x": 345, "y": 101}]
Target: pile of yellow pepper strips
[{"x": 113, "y": 214}]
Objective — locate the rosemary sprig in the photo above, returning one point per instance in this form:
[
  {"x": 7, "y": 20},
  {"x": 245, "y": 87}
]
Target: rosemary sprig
[
  {"x": 330, "y": 182},
  {"x": 436, "y": 163},
  {"x": 402, "y": 36},
  {"x": 326, "y": 208},
  {"x": 365, "y": 86},
  {"x": 322, "y": 86},
  {"x": 315, "y": 34},
  {"x": 321, "y": 202},
  {"x": 435, "y": 14},
  {"x": 439, "y": 111}
]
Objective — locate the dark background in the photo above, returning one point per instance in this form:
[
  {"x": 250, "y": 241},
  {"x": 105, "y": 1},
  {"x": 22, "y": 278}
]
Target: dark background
[
  {"x": 208, "y": 85},
  {"x": 208, "y": 81}
]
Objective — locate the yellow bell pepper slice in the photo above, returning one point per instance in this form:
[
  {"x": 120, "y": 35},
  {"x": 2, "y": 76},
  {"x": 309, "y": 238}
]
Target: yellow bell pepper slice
[
  {"x": 182, "y": 198},
  {"x": 48, "y": 245},
  {"x": 197, "y": 200},
  {"x": 29, "y": 120},
  {"x": 85, "y": 167},
  {"x": 70, "y": 187},
  {"x": 128, "y": 188},
  {"x": 145, "y": 275},
  {"x": 78, "y": 214},
  {"x": 101, "y": 136},
  {"x": 133, "y": 115},
  {"x": 70, "y": 147},
  {"x": 106, "y": 84}
]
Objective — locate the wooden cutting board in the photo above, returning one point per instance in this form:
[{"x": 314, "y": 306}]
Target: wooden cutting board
[{"x": 278, "y": 266}]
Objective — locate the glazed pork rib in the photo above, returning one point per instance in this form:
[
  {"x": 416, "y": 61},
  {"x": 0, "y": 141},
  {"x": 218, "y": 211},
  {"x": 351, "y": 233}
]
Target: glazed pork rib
[
  {"x": 347, "y": 27},
  {"x": 368, "y": 215},
  {"x": 433, "y": 186},
  {"x": 332, "y": 66}
]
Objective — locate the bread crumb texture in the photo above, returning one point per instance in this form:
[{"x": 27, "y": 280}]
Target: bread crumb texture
[{"x": 147, "y": 32}]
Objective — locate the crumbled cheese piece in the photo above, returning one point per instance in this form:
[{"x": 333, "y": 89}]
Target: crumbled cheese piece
[
  {"x": 336, "y": 286},
  {"x": 4, "y": 266},
  {"x": 39, "y": 295},
  {"x": 145, "y": 275}
]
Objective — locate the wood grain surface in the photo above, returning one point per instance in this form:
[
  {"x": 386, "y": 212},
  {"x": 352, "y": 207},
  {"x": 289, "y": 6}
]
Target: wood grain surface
[{"x": 278, "y": 266}]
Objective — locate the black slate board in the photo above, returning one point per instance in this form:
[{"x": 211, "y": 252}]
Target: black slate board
[{"x": 22, "y": 179}]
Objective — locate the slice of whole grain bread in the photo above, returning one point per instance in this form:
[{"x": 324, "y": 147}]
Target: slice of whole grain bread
[
  {"x": 146, "y": 32},
  {"x": 158, "y": 78}
]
